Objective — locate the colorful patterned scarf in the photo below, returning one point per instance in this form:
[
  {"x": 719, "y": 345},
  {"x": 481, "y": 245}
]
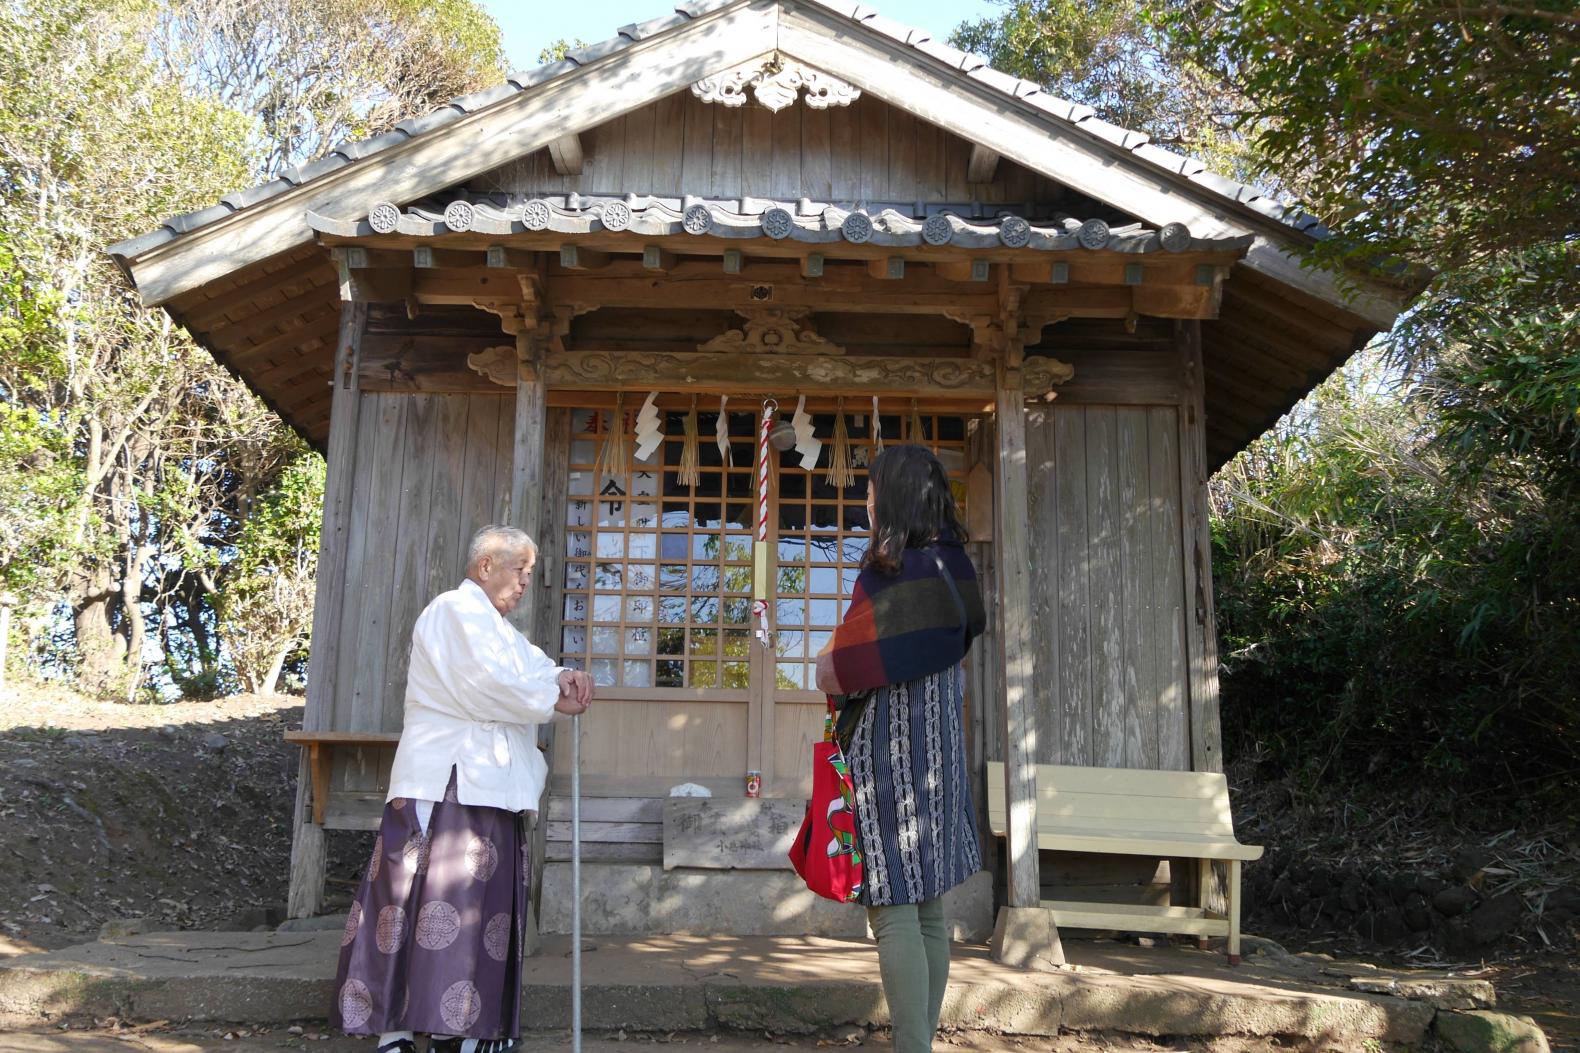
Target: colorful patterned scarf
[{"x": 902, "y": 627}]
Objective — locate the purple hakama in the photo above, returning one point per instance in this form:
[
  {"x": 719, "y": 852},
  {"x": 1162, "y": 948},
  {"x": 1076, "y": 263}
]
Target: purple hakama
[{"x": 435, "y": 939}]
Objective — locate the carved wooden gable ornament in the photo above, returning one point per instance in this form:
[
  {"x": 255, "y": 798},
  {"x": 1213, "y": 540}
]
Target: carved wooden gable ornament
[{"x": 775, "y": 81}]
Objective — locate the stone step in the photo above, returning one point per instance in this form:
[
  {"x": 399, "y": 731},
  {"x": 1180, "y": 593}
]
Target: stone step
[
  {"x": 622, "y": 899},
  {"x": 688, "y": 983}
]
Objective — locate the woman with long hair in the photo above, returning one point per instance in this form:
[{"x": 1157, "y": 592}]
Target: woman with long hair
[{"x": 894, "y": 668}]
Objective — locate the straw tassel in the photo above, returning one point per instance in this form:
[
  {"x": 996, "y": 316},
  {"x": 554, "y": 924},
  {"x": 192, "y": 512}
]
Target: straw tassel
[
  {"x": 918, "y": 433},
  {"x": 840, "y": 473},
  {"x": 877, "y": 431},
  {"x": 613, "y": 459},
  {"x": 689, "y": 475}
]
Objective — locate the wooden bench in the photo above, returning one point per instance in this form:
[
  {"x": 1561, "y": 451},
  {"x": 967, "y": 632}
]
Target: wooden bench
[
  {"x": 321, "y": 746},
  {"x": 1130, "y": 811}
]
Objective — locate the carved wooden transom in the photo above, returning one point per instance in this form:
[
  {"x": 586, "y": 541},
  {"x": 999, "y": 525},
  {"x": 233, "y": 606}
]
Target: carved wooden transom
[
  {"x": 775, "y": 81},
  {"x": 773, "y": 330}
]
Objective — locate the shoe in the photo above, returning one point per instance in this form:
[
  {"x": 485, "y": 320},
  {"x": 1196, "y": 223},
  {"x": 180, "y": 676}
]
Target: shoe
[{"x": 400, "y": 1045}]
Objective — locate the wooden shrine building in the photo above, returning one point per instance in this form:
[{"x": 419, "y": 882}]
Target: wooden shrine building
[{"x": 748, "y": 200}]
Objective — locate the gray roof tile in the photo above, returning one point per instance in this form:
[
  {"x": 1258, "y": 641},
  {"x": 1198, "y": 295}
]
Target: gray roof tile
[
  {"x": 415, "y": 126},
  {"x": 328, "y": 163},
  {"x": 1121, "y": 137},
  {"x": 189, "y": 221},
  {"x": 533, "y": 77},
  {"x": 355, "y": 151},
  {"x": 252, "y": 195},
  {"x": 1227, "y": 187},
  {"x": 142, "y": 243},
  {"x": 698, "y": 8},
  {"x": 652, "y": 27},
  {"x": 594, "y": 52},
  {"x": 942, "y": 52},
  {"x": 889, "y": 27},
  {"x": 1162, "y": 158},
  {"x": 1064, "y": 109},
  {"x": 478, "y": 100},
  {"x": 993, "y": 78}
]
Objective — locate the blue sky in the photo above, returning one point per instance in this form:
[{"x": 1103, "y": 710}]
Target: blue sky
[{"x": 528, "y": 26}]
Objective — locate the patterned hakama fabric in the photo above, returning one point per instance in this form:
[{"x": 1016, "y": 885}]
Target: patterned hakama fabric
[
  {"x": 435, "y": 938},
  {"x": 914, "y": 818}
]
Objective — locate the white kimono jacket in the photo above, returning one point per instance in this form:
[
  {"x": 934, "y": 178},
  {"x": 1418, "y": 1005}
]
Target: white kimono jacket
[{"x": 474, "y": 693}]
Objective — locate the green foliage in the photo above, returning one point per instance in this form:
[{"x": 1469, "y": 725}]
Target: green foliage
[
  {"x": 1436, "y": 131},
  {"x": 130, "y": 462},
  {"x": 1398, "y": 564},
  {"x": 559, "y": 49},
  {"x": 1108, "y": 55},
  {"x": 266, "y": 609}
]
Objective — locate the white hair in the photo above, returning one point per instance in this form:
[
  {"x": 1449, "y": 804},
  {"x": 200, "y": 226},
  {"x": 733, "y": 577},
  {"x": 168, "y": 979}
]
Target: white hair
[{"x": 499, "y": 540}]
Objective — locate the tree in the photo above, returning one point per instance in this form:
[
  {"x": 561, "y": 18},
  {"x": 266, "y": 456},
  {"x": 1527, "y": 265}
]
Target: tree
[
  {"x": 1108, "y": 54},
  {"x": 133, "y": 461},
  {"x": 1440, "y": 133},
  {"x": 266, "y": 608},
  {"x": 314, "y": 74}
]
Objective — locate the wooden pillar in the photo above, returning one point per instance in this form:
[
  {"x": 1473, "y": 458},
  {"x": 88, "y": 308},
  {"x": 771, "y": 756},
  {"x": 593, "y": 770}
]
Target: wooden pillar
[
  {"x": 1014, "y": 614},
  {"x": 1201, "y": 627},
  {"x": 306, "y": 896},
  {"x": 1201, "y": 633},
  {"x": 527, "y": 470}
]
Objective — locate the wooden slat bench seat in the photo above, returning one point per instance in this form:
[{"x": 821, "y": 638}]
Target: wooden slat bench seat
[
  {"x": 1130, "y": 811},
  {"x": 327, "y": 808}
]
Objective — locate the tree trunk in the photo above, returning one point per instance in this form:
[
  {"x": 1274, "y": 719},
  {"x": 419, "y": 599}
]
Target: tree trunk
[
  {"x": 101, "y": 652},
  {"x": 271, "y": 680}
]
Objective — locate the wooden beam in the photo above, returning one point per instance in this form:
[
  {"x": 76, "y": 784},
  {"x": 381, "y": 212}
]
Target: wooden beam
[
  {"x": 812, "y": 265},
  {"x": 891, "y": 268},
  {"x": 304, "y": 274},
  {"x": 577, "y": 258},
  {"x": 1041, "y": 272},
  {"x": 964, "y": 270},
  {"x": 429, "y": 257},
  {"x": 505, "y": 258},
  {"x": 566, "y": 152},
  {"x": 313, "y": 329},
  {"x": 733, "y": 261},
  {"x": 657, "y": 259},
  {"x": 374, "y": 275},
  {"x": 360, "y": 258},
  {"x": 264, "y": 324},
  {"x": 982, "y": 164}
]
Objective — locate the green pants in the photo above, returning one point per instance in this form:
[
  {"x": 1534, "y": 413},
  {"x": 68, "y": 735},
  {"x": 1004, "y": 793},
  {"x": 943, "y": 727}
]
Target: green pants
[{"x": 913, "y": 959}]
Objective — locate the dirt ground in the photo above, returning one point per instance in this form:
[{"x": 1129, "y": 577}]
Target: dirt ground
[
  {"x": 158, "y": 1040},
  {"x": 179, "y": 813}
]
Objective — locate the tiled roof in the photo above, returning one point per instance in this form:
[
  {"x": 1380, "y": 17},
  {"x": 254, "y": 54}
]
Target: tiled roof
[
  {"x": 887, "y": 224},
  {"x": 973, "y": 66}
]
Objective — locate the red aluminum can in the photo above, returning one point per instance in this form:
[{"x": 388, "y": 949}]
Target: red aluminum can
[{"x": 754, "y": 784}]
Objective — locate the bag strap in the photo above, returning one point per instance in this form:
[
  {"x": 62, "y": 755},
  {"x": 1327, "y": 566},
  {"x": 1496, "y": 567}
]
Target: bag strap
[{"x": 954, "y": 590}]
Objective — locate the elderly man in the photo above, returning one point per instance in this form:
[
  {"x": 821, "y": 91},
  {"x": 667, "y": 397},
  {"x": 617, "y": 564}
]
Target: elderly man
[{"x": 435, "y": 939}]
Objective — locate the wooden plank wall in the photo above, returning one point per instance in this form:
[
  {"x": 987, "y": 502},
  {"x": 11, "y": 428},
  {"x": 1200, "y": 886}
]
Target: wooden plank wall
[
  {"x": 679, "y": 145},
  {"x": 1109, "y": 586},
  {"x": 430, "y": 470}
]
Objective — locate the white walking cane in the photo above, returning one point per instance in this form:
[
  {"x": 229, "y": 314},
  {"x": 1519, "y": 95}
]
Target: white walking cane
[{"x": 576, "y": 883}]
